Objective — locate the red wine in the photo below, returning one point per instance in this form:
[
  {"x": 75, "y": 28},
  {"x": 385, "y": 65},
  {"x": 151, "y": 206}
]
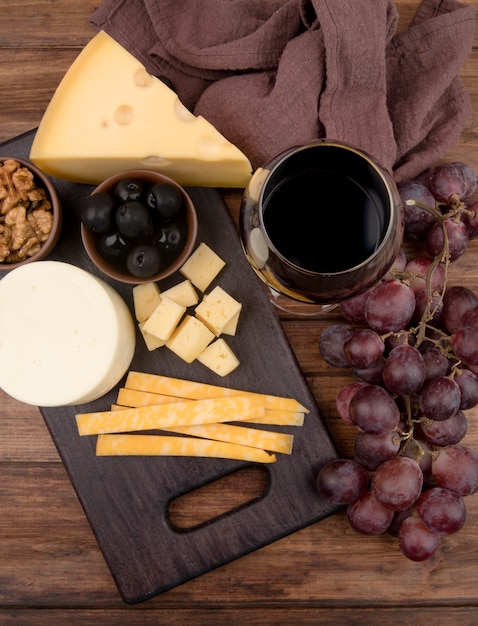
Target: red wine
[{"x": 325, "y": 221}]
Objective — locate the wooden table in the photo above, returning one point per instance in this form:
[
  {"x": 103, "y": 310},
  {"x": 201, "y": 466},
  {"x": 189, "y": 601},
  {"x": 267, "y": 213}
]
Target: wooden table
[{"x": 51, "y": 569}]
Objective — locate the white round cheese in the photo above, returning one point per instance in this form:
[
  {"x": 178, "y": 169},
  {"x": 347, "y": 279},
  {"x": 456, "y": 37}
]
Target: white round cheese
[{"x": 66, "y": 337}]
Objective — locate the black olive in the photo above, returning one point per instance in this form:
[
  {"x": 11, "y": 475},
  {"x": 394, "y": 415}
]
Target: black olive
[
  {"x": 129, "y": 189},
  {"x": 173, "y": 236},
  {"x": 143, "y": 261},
  {"x": 134, "y": 221},
  {"x": 165, "y": 199},
  {"x": 113, "y": 246},
  {"x": 97, "y": 214}
]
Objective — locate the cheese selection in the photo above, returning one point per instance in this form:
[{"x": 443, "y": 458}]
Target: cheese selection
[
  {"x": 66, "y": 336},
  {"x": 109, "y": 114},
  {"x": 187, "y": 324}
]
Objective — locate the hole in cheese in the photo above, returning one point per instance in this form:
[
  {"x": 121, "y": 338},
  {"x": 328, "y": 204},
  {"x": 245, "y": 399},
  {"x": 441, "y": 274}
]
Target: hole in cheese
[
  {"x": 124, "y": 115},
  {"x": 142, "y": 78},
  {"x": 156, "y": 161},
  {"x": 220, "y": 497},
  {"x": 208, "y": 148}
]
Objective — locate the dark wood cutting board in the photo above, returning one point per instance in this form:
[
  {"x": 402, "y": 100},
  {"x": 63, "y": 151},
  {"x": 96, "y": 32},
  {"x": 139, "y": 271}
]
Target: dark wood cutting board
[{"x": 126, "y": 499}]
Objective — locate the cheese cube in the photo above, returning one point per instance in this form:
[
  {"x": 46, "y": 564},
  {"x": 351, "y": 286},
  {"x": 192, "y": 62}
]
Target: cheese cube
[
  {"x": 219, "y": 358},
  {"x": 146, "y": 298},
  {"x": 190, "y": 339},
  {"x": 150, "y": 340},
  {"x": 231, "y": 327},
  {"x": 202, "y": 267},
  {"x": 183, "y": 293},
  {"x": 217, "y": 309},
  {"x": 164, "y": 319}
]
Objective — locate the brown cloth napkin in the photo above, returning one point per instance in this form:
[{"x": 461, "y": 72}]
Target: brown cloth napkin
[{"x": 270, "y": 74}]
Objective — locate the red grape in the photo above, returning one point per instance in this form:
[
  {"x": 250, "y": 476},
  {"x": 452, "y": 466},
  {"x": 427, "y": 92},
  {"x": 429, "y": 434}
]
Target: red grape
[
  {"x": 342, "y": 481},
  {"x": 457, "y": 302},
  {"x": 421, "y": 301},
  {"x": 398, "y": 518},
  {"x": 472, "y": 220},
  {"x": 449, "y": 179},
  {"x": 372, "y": 375},
  {"x": 442, "y": 510},
  {"x": 364, "y": 348},
  {"x": 445, "y": 432},
  {"x": 373, "y": 450},
  {"x": 416, "y": 541},
  {"x": 354, "y": 309},
  {"x": 468, "y": 383},
  {"x": 331, "y": 344},
  {"x": 397, "y": 483},
  {"x": 440, "y": 398},
  {"x": 369, "y": 516},
  {"x": 457, "y": 239},
  {"x": 436, "y": 363},
  {"x": 418, "y": 268},
  {"x": 470, "y": 317},
  {"x": 398, "y": 265},
  {"x": 417, "y": 220},
  {"x": 456, "y": 468},
  {"x": 464, "y": 342},
  {"x": 404, "y": 370},
  {"x": 390, "y": 306},
  {"x": 374, "y": 411},
  {"x": 344, "y": 397},
  {"x": 420, "y": 451}
]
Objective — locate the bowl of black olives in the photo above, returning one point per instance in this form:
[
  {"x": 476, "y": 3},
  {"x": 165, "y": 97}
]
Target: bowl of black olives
[{"x": 139, "y": 226}]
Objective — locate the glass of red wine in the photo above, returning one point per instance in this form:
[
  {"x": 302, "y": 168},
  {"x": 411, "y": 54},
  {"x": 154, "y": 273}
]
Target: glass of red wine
[{"x": 320, "y": 223}]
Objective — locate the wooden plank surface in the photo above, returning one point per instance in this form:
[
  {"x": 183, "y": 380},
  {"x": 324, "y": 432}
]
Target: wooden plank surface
[{"x": 51, "y": 569}]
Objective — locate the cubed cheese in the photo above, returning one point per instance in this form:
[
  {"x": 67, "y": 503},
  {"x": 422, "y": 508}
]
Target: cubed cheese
[
  {"x": 152, "y": 342},
  {"x": 219, "y": 358},
  {"x": 190, "y": 339},
  {"x": 202, "y": 267},
  {"x": 146, "y": 298},
  {"x": 164, "y": 319},
  {"x": 183, "y": 293},
  {"x": 231, "y": 327},
  {"x": 217, "y": 309}
]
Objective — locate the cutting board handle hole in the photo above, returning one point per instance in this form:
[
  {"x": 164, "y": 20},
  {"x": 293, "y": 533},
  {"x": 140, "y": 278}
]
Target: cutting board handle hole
[{"x": 218, "y": 498}]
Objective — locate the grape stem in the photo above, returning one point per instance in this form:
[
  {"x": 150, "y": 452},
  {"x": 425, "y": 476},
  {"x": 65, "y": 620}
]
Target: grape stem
[{"x": 442, "y": 258}]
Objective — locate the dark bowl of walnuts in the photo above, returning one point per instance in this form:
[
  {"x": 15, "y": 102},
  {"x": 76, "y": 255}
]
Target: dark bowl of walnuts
[
  {"x": 30, "y": 213},
  {"x": 139, "y": 226}
]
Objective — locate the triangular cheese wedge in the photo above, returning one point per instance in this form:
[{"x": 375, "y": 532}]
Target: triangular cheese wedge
[{"x": 109, "y": 115}]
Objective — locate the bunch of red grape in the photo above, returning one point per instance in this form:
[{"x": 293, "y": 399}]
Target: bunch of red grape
[{"x": 412, "y": 343}]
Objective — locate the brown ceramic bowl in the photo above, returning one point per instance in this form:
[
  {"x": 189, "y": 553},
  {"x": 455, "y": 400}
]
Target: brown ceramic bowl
[
  {"x": 118, "y": 271},
  {"x": 41, "y": 180}
]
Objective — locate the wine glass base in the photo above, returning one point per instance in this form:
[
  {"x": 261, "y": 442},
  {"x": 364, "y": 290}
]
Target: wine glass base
[{"x": 295, "y": 308}]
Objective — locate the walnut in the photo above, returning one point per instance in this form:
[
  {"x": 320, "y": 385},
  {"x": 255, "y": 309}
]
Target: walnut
[
  {"x": 29, "y": 248},
  {"x": 22, "y": 230},
  {"x": 41, "y": 221},
  {"x": 26, "y": 216},
  {"x": 38, "y": 199},
  {"x": 10, "y": 166},
  {"x": 23, "y": 179},
  {"x": 4, "y": 247}
]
